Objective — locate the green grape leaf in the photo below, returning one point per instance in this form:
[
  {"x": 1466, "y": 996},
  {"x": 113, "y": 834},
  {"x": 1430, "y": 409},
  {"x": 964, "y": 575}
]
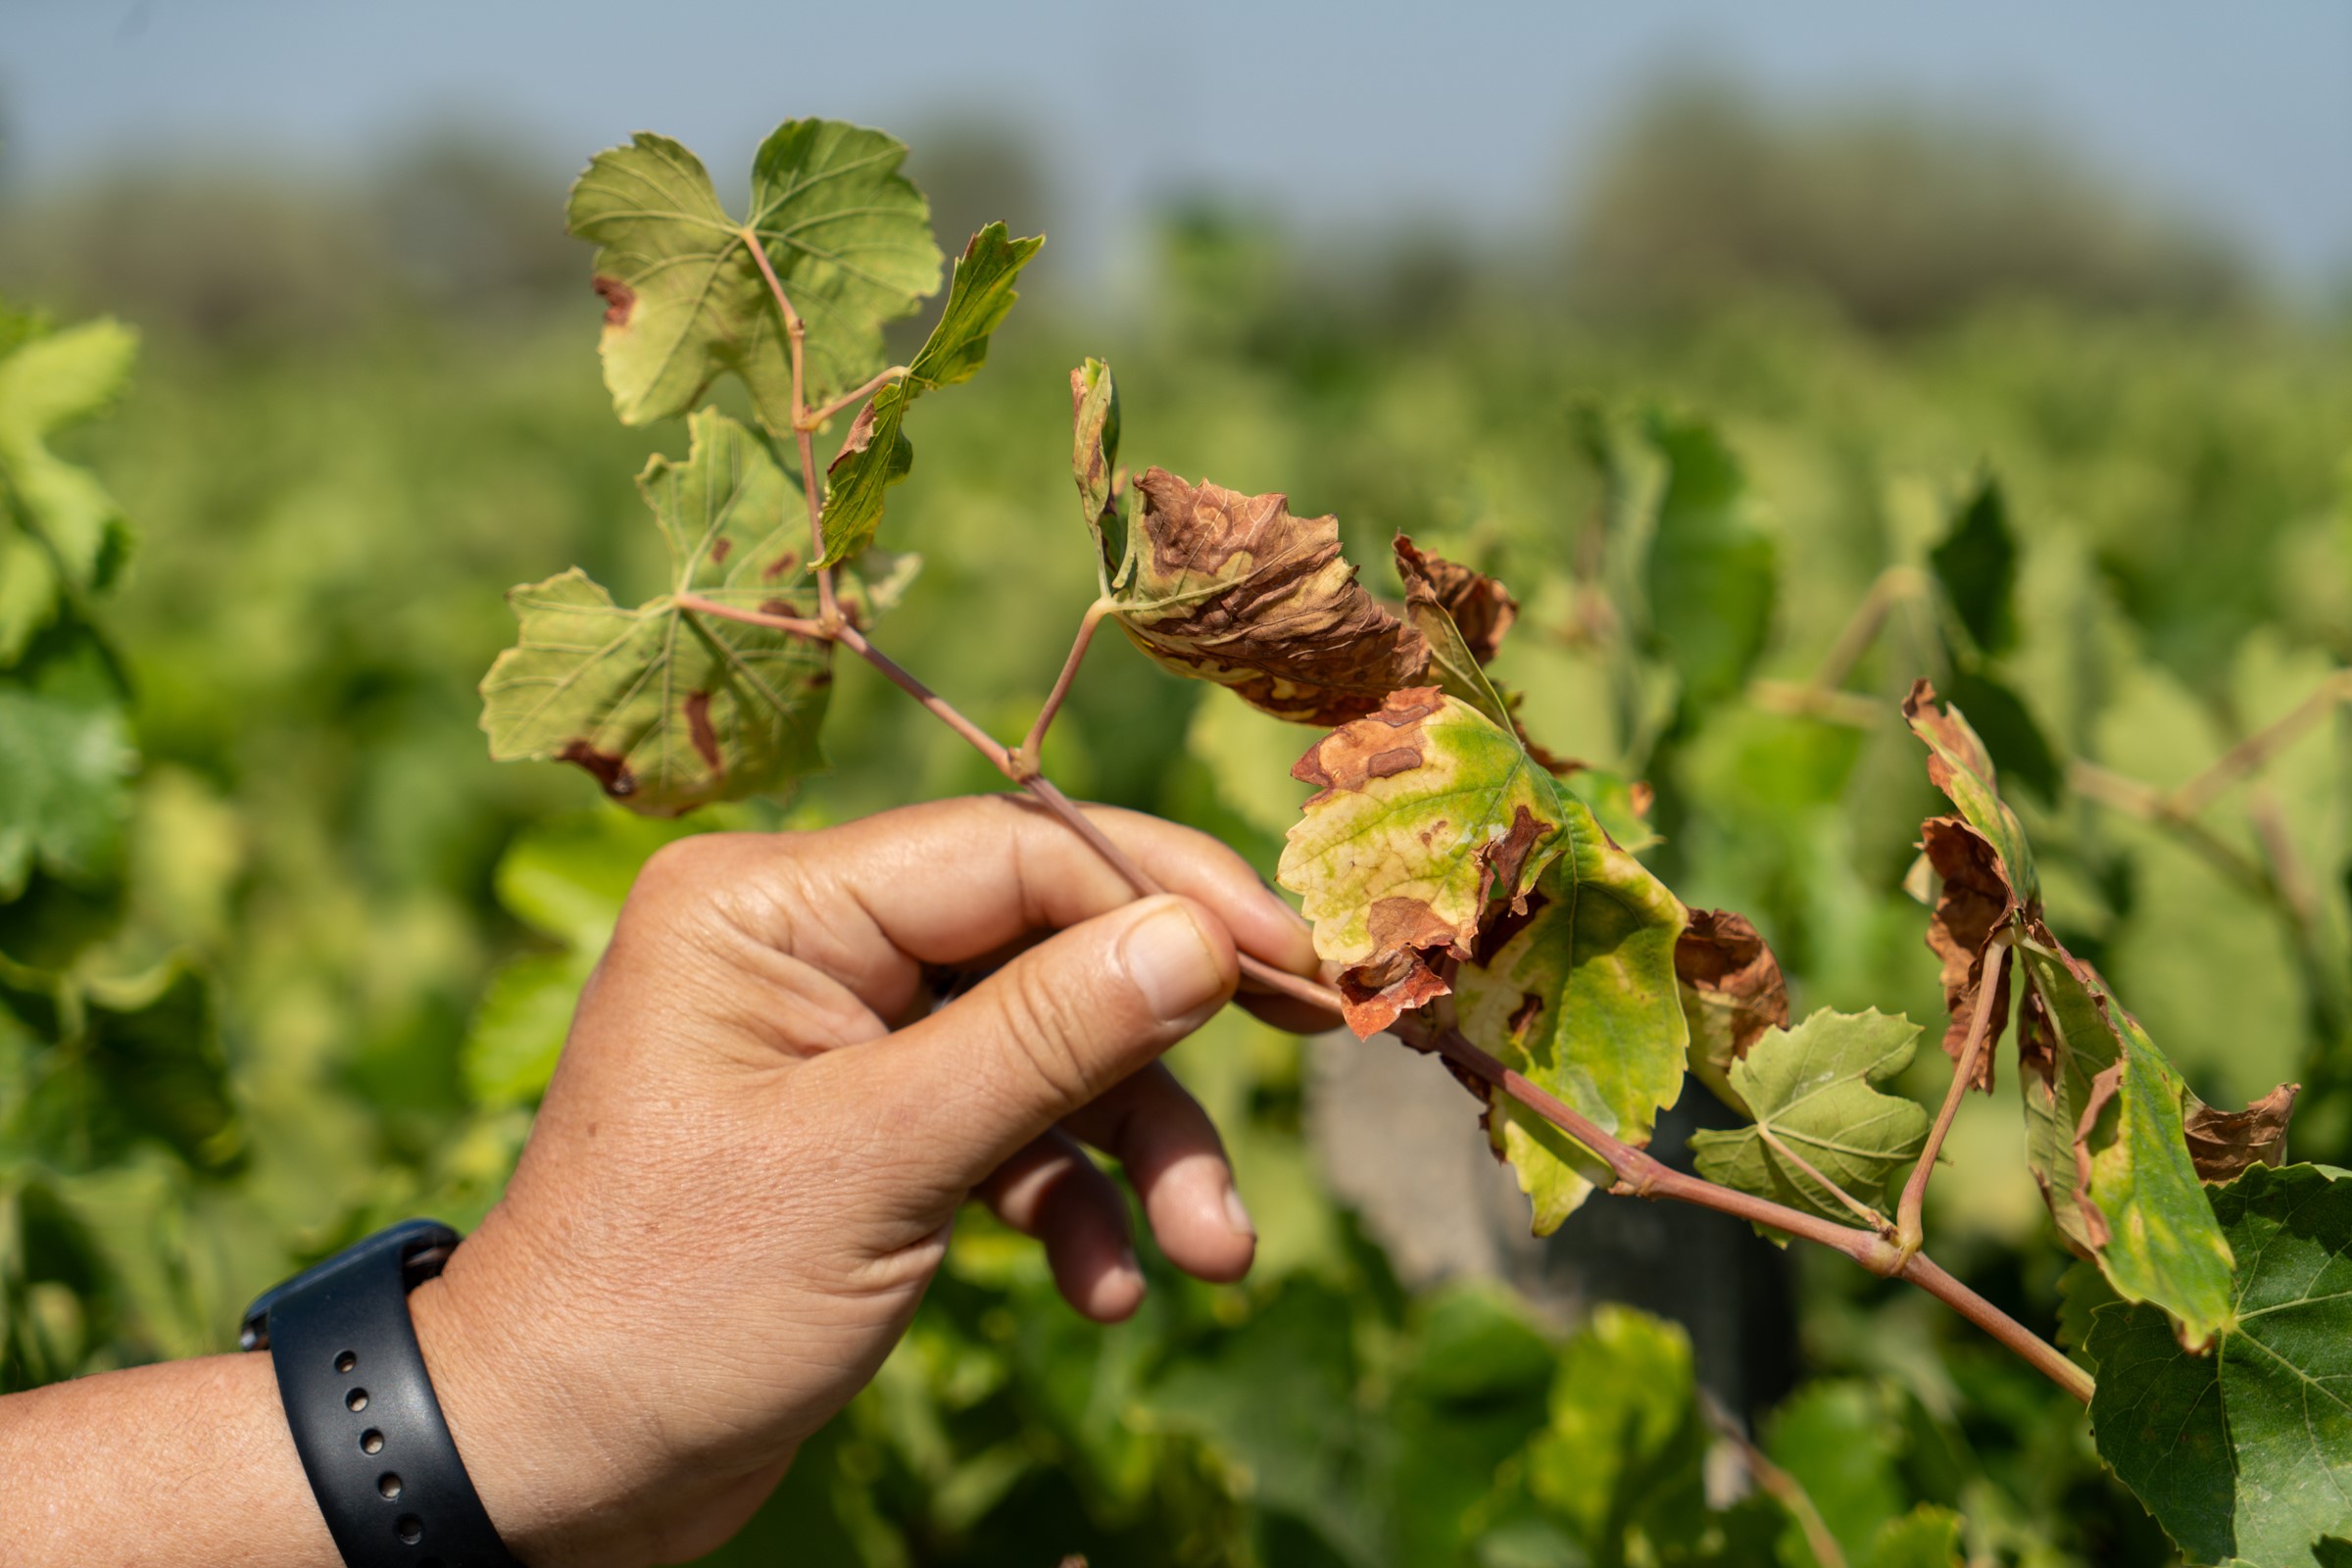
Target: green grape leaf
[
  {"x": 877, "y": 454},
  {"x": 2081, "y": 1290},
  {"x": 848, "y": 237},
  {"x": 1711, "y": 573},
  {"x": 65, "y": 789},
  {"x": 2244, "y": 1452},
  {"x": 1841, "y": 1442},
  {"x": 1620, "y": 1461},
  {"x": 1821, "y": 1113},
  {"x": 671, "y": 709},
  {"x": 1961, "y": 767},
  {"x": 1426, "y": 813},
  {"x": 1733, "y": 992},
  {"x": 1439, "y": 598},
  {"x": 1928, "y": 1537},
  {"x": 1233, "y": 589},
  {"x": 1094, "y": 462},
  {"x": 1580, "y": 997},
  {"x": 2105, "y": 1142},
  {"x": 47, "y": 383},
  {"x": 1976, "y": 565}
]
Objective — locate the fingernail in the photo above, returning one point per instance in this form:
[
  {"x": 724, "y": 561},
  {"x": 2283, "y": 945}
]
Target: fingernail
[
  {"x": 1170, "y": 961},
  {"x": 1236, "y": 1213}
]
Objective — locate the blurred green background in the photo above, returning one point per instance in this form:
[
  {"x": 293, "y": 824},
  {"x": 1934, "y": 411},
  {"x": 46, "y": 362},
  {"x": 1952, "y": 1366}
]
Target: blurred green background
[{"x": 315, "y": 980}]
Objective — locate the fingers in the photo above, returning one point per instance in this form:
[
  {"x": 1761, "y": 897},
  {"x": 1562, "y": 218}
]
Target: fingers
[
  {"x": 1154, "y": 1127},
  {"x": 1038, "y": 1040},
  {"x": 1050, "y": 1190},
  {"x": 872, "y": 901}
]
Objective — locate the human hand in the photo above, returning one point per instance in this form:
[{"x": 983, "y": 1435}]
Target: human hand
[{"x": 746, "y": 1169}]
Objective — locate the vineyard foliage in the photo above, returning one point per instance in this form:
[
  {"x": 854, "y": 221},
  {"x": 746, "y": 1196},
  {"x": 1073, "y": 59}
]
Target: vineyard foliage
[{"x": 300, "y": 962}]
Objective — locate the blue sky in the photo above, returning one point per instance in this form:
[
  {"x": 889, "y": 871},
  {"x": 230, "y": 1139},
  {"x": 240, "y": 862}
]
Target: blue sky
[{"x": 1342, "y": 114}]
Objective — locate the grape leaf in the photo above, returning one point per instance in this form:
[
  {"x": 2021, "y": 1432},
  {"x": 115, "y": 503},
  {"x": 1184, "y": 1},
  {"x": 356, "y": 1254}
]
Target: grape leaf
[
  {"x": 1815, "y": 1092},
  {"x": 65, "y": 796},
  {"x": 877, "y": 455},
  {"x": 1426, "y": 812},
  {"x": 2244, "y": 1453},
  {"x": 1233, "y": 589},
  {"x": 1975, "y": 563},
  {"x": 47, "y": 383},
  {"x": 1620, "y": 1461},
  {"x": 1712, "y": 572},
  {"x": 1434, "y": 589},
  {"x": 1580, "y": 997},
  {"x": 2105, "y": 1142},
  {"x": 848, "y": 237},
  {"x": 1733, "y": 992},
  {"x": 671, "y": 709}
]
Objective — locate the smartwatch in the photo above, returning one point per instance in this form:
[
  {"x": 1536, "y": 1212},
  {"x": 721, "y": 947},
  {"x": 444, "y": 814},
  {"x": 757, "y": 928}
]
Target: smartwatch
[{"x": 373, "y": 1440}]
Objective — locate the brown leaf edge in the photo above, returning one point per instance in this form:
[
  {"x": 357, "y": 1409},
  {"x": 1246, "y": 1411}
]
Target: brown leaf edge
[
  {"x": 1933, "y": 721},
  {"x": 1312, "y": 652},
  {"x": 1416, "y": 949},
  {"x": 1974, "y": 903}
]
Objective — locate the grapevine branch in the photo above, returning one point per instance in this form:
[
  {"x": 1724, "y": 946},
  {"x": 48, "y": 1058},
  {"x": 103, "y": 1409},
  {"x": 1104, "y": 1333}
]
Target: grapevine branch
[
  {"x": 1636, "y": 1173},
  {"x": 1910, "y": 1213}
]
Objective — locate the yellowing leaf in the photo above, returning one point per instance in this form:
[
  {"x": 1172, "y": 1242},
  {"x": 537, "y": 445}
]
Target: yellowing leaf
[
  {"x": 1426, "y": 813},
  {"x": 849, "y": 238},
  {"x": 1233, "y": 589},
  {"x": 876, "y": 455},
  {"x": 1580, "y": 997},
  {"x": 2104, "y": 1139},
  {"x": 1821, "y": 1114},
  {"x": 671, "y": 709}
]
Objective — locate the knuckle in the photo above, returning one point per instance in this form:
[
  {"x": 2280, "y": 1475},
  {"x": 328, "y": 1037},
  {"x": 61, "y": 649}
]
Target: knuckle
[{"x": 1052, "y": 1028}]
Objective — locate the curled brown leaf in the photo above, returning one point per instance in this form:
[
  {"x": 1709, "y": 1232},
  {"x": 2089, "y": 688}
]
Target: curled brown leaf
[
  {"x": 2224, "y": 1142},
  {"x": 1234, "y": 589},
  {"x": 1975, "y": 902},
  {"x": 1481, "y": 607},
  {"x": 1733, "y": 992}
]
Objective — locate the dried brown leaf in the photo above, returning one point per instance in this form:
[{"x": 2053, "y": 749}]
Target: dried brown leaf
[
  {"x": 1234, "y": 589},
  {"x": 1733, "y": 990},
  {"x": 2224, "y": 1142},
  {"x": 1975, "y": 902},
  {"x": 1480, "y": 606}
]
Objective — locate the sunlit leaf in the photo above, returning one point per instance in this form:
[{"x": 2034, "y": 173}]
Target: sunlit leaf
[
  {"x": 47, "y": 383},
  {"x": 64, "y": 785},
  {"x": 671, "y": 709},
  {"x": 1580, "y": 997},
  {"x": 2244, "y": 1453},
  {"x": 1817, "y": 1094},
  {"x": 1424, "y": 814},
  {"x": 1233, "y": 589},
  {"x": 875, "y": 454},
  {"x": 849, "y": 238},
  {"x": 1619, "y": 1462}
]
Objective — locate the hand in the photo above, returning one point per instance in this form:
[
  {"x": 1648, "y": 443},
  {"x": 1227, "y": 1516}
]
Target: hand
[{"x": 747, "y": 1163}]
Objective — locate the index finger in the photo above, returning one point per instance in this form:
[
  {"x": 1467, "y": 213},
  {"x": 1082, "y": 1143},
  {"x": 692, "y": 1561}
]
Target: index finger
[{"x": 872, "y": 901}]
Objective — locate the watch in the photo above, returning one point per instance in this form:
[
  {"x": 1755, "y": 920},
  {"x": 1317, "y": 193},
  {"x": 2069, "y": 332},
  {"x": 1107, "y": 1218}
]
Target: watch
[{"x": 360, "y": 1406}]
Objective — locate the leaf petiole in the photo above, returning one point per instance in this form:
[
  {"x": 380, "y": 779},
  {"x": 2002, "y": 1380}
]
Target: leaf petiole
[{"x": 1910, "y": 1211}]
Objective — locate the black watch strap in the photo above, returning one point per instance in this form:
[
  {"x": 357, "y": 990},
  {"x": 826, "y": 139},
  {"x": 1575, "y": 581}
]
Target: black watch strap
[{"x": 380, "y": 1458}]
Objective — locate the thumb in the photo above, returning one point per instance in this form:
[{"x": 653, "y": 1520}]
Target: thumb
[{"x": 1049, "y": 1032}]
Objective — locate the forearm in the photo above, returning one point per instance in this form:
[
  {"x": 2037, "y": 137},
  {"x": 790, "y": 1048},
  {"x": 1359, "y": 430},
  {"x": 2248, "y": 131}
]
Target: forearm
[{"x": 179, "y": 1463}]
